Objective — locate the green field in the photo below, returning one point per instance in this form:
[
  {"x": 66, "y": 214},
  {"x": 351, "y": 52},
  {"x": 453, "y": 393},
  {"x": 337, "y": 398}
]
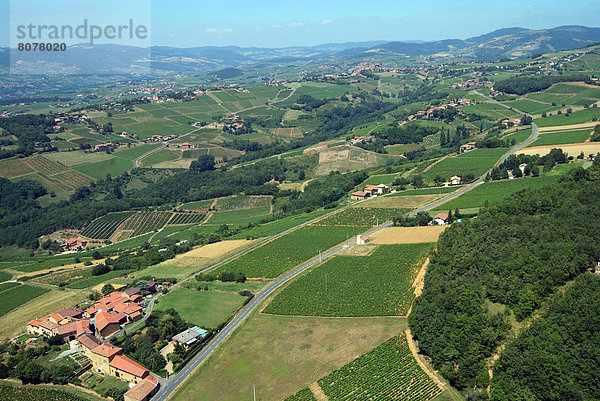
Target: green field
[
  {"x": 389, "y": 372},
  {"x": 476, "y": 161},
  {"x": 17, "y": 296},
  {"x": 242, "y": 202},
  {"x": 99, "y": 170},
  {"x": 240, "y": 216},
  {"x": 135, "y": 152},
  {"x": 103, "y": 227},
  {"x": 427, "y": 191},
  {"x": 576, "y": 117},
  {"x": 281, "y": 254},
  {"x": 95, "y": 280},
  {"x": 495, "y": 191},
  {"x": 361, "y": 217},
  {"x": 491, "y": 110},
  {"x": 18, "y": 393},
  {"x": 203, "y": 308},
  {"x": 379, "y": 284},
  {"x": 160, "y": 156},
  {"x": 4, "y": 276},
  {"x": 203, "y": 204},
  {"x": 562, "y": 137}
]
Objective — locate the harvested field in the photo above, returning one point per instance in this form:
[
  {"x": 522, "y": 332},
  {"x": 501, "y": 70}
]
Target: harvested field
[
  {"x": 572, "y": 149},
  {"x": 288, "y": 132},
  {"x": 406, "y": 235},
  {"x": 568, "y": 127},
  {"x": 402, "y": 202}
]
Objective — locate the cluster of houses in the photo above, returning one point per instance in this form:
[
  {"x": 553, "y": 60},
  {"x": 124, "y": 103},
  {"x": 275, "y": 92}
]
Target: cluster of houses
[
  {"x": 467, "y": 146},
  {"x": 81, "y": 329},
  {"x": 74, "y": 244},
  {"x": 430, "y": 112},
  {"x": 160, "y": 138},
  {"x": 369, "y": 191},
  {"x": 510, "y": 122},
  {"x": 469, "y": 84}
]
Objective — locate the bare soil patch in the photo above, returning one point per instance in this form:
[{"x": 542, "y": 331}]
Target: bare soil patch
[
  {"x": 407, "y": 235},
  {"x": 399, "y": 201},
  {"x": 573, "y": 149}
]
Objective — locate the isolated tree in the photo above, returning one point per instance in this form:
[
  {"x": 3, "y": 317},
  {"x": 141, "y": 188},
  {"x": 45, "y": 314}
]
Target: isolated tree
[
  {"x": 423, "y": 218},
  {"x": 107, "y": 288}
]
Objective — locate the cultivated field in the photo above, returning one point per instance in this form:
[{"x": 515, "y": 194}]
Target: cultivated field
[
  {"x": 300, "y": 350},
  {"x": 184, "y": 264},
  {"x": 574, "y": 149},
  {"x": 203, "y": 308},
  {"x": 360, "y": 216},
  {"x": 105, "y": 226},
  {"x": 379, "y": 284},
  {"x": 13, "y": 297},
  {"x": 476, "y": 161},
  {"x": 281, "y": 254},
  {"x": 406, "y": 235},
  {"x": 563, "y": 137},
  {"x": 388, "y": 372}
]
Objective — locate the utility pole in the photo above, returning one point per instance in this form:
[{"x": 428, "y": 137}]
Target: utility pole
[
  {"x": 320, "y": 257},
  {"x": 254, "y": 391}
]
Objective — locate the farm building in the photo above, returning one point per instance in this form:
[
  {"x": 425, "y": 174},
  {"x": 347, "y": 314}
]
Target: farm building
[
  {"x": 46, "y": 325},
  {"x": 361, "y": 239},
  {"x": 186, "y": 145},
  {"x": 456, "y": 180},
  {"x": 107, "y": 323},
  {"x": 190, "y": 336},
  {"x": 522, "y": 167},
  {"x": 101, "y": 147},
  {"x": 467, "y": 146},
  {"x": 359, "y": 195},
  {"x": 142, "y": 391},
  {"x": 75, "y": 244},
  {"x": 441, "y": 219}
]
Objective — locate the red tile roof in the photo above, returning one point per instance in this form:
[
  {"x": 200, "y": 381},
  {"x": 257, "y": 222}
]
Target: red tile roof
[
  {"x": 103, "y": 319},
  {"x": 143, "y": 389},
  {"x": 442, "y": 216},
  {"x": 107, "y": 350},
  {"x": 83, "y": 326},
  {"x": 125, "y": 364},
  {"x": 89, "y": 341},
  {"x": 70, "y": 312}
]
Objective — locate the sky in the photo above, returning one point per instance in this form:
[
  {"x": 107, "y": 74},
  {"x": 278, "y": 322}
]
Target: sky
[{"x": 268, "y": 23}]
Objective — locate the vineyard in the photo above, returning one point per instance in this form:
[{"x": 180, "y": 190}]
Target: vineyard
[
  {"x": 303, "y": 395},
  {"x": 353, "y": 286},
  {"x": 285, "y": 252},
  {"x": 145, "y": 222},
  {"x": 14, "y": 168},
  {"x": 66, "y": 276},
  {"x": 242, "y": 202},
  {"x": 105, "y": 226},
  {"x": 14, "y": 297},
  {"x": 360, "y": 216},
  {"x": 186, "y": 218},
  {"x": 45, "y": 166},
  {"x": 202, "y": 205},
  {"x": 388, "y": 372},
  {"x": 14, "y": 393}
]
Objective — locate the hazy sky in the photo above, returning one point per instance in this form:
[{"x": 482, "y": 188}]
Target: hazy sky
[{"x": 188, "y": 23}]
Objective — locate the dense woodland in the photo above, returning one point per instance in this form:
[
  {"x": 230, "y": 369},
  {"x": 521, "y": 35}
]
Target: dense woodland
[
  {"x": 499, "y": 269},
  {"x": 525, "y": 84}
]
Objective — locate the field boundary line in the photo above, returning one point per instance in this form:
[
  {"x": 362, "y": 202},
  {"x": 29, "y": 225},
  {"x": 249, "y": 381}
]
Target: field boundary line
[
  {"x": 415, "y": 352},
  {"x": 318, "y": 391}
]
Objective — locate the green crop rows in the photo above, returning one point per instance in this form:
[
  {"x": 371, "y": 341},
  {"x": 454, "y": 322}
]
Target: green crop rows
[
  {"x": 361, "y": 216},
  {"x": 303, "y": 395},
  {"x": 14, "y": 297},
  {"x": 376, "y": 285},
  {"x": 281, "y": 254},
  {"x": 389, "y": 372},
  {"x": 103, "y": 227},
  {"x": 14, "y": 393},
  {"x": 187, "y": 218},
  {"x": 144, "y": 222}
]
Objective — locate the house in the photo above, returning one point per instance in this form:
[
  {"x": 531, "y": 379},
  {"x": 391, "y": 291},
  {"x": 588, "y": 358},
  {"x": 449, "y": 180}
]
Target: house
[
  {"x": 522, "y": 167},
  {"x": 189, "y": 336},
  {"x": 456, "y": 180},
  {"x": 467, "y": 146},
  {"x": 156, "y": 138},
  {"x": 130, "y": 292},
  {"x": 103, "y": 147},
  {"x": 124, "y": 368},
  {"x": 382, "y": 188},
  {"x": 88, "y": 343},
  {"x": 361, "y": 239},
  {"x": 373, "y": 189},
  {"x": 75, "y": 244},
  {"x": 142, "y": 391},
  {"x": 102, "y": 355},
  {"x": 186, "y": 145},
  {"x": 359, "y": 195},
  {"x": 151, "y": 286},
  {"x": 441, "y": 219},
  {"x": 107, "y": 323}
]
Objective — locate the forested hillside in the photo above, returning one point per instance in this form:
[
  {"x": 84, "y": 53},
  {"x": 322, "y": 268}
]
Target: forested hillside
[{"x": 496, "y": 271}]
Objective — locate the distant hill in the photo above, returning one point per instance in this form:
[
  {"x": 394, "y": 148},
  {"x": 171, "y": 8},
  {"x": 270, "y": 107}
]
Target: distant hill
[{"x": 503, "y": 43}]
